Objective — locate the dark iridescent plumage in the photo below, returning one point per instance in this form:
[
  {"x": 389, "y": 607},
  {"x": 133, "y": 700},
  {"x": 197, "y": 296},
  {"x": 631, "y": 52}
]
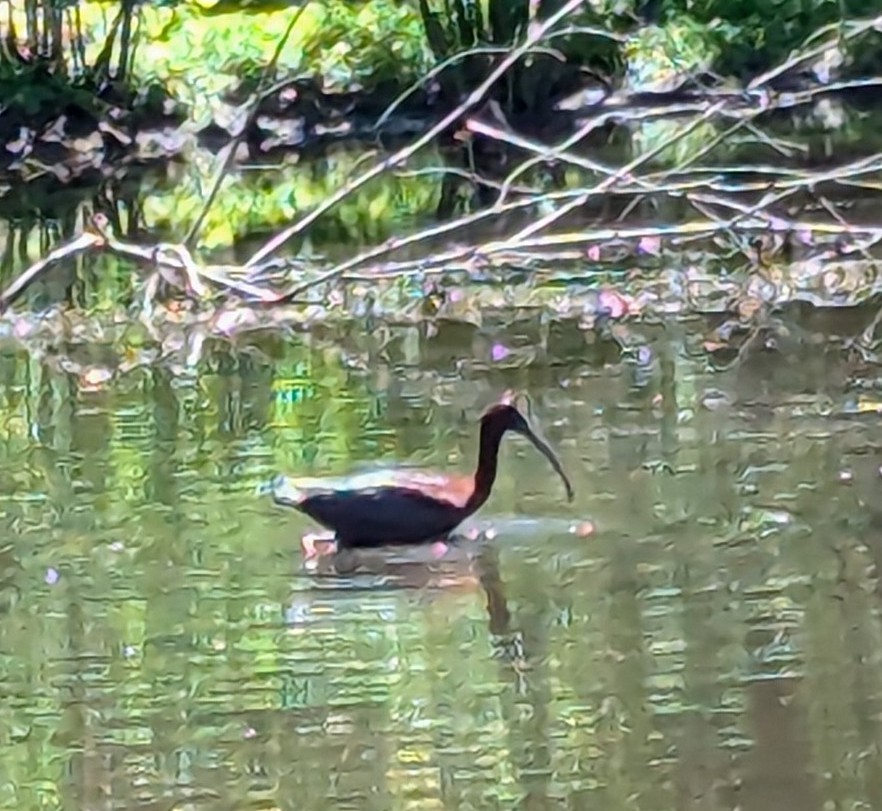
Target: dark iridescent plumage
[{"x": 402, "y": 505}]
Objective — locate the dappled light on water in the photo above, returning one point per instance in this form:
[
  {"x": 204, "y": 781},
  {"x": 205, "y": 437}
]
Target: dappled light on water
[{"x": 698, "y": 629}]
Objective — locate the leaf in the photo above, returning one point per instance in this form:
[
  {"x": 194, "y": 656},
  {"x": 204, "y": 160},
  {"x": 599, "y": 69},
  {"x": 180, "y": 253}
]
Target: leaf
[{"x": 221, "y": 233}]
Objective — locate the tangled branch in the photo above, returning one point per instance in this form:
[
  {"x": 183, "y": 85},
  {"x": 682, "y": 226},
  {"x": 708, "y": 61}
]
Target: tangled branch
[{"x": 725, "y": 206}]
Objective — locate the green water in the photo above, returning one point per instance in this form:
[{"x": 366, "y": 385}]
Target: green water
[{"x": 714, "y": 644}]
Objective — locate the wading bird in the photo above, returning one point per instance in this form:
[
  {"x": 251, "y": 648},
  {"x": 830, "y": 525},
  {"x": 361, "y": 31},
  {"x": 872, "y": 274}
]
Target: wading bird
[{"x": 403, "y": 505}]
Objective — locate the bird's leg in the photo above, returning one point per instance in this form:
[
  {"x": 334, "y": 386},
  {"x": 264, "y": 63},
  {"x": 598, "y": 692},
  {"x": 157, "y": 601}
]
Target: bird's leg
[
  {"x": 442, "y": 545},
  {"x": 439, "y": 548},
  {"x": 315, "y": 546}
]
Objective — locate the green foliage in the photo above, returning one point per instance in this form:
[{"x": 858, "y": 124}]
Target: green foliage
[
  {"x": 258, "y": 202},
  {"x": 741, "y": 29},
  {"x": 201, "y": 52},
  {"x": 368, "y": 43},
  {"x": 31, "y": 90},
  {"x": 200, "y": 55},
  {"x": 457, "y": 26},
  {"x": 658, "y": 55}
]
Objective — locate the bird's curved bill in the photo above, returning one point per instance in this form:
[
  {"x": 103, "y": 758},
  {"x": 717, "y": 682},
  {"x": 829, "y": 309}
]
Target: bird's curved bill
[{"x": 545, "y": 449}]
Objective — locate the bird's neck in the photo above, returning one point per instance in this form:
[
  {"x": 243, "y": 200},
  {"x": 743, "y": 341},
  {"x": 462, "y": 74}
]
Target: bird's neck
[{"x": 485, "y": 474}]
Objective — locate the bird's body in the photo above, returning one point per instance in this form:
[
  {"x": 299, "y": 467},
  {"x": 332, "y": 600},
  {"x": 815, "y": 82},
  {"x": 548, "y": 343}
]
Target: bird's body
[
  {"x": 403, "y": 505},
  {"x": 388, "y": 506}
]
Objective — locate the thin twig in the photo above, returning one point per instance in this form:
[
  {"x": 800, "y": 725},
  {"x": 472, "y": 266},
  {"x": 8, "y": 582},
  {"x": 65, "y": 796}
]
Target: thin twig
[
  {"x": 535, "y": 33},
  {"x": 541, "y": 251},
  {"x": 259, "y": 95},
  {"x": 83, "y": 242},
  {"x": 858, "y": 27},
  {"x": 624, "y": 171},
  {"x": 421, "y": 236},
  {"x": 459, "y": 56},
  {"x": 465, "y": 174}
]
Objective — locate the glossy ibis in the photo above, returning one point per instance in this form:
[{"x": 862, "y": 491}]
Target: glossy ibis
[{"x": 405, "y": 505}]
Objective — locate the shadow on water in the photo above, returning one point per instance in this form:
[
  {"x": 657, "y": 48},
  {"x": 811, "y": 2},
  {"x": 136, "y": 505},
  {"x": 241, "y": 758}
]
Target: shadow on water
[{"x": 713, "y": 641}]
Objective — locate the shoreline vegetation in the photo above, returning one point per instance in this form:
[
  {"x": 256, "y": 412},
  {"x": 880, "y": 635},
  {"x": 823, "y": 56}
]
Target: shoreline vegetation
[{"x": 598, "y": 168}]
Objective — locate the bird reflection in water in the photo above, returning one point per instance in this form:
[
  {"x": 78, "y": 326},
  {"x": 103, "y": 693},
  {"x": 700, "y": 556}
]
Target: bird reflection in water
[{"x": 464, "y": 562}]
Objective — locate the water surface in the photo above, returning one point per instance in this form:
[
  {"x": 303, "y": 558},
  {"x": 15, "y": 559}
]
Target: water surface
[{"x": 715, "y": 643}]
